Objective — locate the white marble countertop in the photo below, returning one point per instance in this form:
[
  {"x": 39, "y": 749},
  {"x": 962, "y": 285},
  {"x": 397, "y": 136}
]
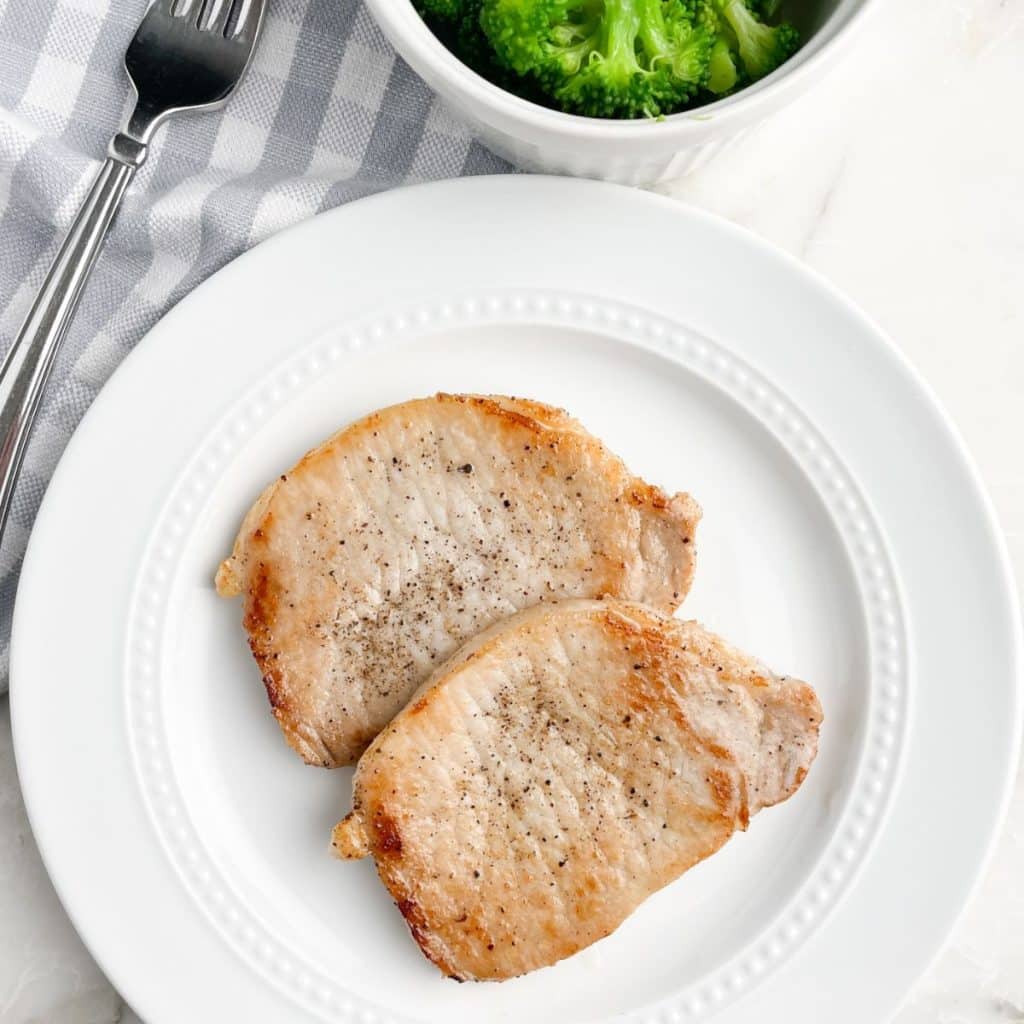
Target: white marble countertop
[{"x": 901, "y": 178}]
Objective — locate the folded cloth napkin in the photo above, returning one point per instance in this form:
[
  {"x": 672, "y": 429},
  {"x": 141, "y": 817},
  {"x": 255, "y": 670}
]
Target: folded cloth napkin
[{"x": 327, "y": 114}]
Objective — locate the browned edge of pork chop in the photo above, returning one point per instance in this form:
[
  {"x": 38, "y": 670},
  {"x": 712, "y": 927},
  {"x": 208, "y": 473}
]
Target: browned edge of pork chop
[
  {"x": 408, "y": 532},
  {"x": 561, "y": 768}
]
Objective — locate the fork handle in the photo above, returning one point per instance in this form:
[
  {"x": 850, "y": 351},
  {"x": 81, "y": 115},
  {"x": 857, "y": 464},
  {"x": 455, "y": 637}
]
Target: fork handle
[{"x": 27, "y": 365}]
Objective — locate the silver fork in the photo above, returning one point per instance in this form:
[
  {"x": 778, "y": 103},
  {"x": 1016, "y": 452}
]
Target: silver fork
[{"x": 186, "y": 55}]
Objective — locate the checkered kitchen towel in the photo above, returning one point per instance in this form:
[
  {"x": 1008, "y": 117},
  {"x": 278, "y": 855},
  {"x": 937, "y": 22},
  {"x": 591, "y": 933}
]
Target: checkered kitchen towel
[{"x": 326, "y": 115}]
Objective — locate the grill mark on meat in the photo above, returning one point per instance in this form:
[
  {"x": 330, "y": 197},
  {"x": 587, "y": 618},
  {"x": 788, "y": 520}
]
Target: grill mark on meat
[
  {"x": 420, "y": 931},
  {"x": 387, "y": 838},
  {"x": 723, "y": 789},
  {"x": 261, "y": 610}
]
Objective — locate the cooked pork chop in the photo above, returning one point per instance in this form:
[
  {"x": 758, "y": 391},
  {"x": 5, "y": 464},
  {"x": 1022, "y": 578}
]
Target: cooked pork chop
[
  {"x": 369, "y": 563},
  {"x": 562, "y": 767}
]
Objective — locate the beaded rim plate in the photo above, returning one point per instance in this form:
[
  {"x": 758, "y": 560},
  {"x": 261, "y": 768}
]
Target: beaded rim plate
[
  {"x": 823, "y": 574},
  {"x": 885, "y": 692}
]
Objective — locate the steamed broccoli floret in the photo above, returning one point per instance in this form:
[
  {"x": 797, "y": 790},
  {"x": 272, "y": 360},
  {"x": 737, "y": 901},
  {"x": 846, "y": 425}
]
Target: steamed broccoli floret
[
  {"x": 457, "y": 24},
  {"x": 762, "y": 47},
  {"x": 604, "y": 58},
  {"x": 614, "y": 58},
  {"x": 456, "y": 21}
]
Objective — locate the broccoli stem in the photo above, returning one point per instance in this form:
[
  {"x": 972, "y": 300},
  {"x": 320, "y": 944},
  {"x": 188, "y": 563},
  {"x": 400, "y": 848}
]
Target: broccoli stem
[
  {"x": 652, "y": 29},
  {"x": 722, "y": 74},
  {"x": 619, "y": 30}
]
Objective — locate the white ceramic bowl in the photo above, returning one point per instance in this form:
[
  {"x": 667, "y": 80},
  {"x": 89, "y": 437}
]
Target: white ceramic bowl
[{"x": 633, "y": 152}]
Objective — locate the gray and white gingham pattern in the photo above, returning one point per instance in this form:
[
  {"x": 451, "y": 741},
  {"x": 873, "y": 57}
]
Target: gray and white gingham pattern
[{"x": 326, "y": 115}]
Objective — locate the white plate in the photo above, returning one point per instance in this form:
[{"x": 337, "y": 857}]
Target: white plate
[{"x": 845, "y": 540}]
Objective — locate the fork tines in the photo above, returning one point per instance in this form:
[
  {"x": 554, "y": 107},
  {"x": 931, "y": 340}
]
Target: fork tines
[{"x": 230, "y": 18}]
